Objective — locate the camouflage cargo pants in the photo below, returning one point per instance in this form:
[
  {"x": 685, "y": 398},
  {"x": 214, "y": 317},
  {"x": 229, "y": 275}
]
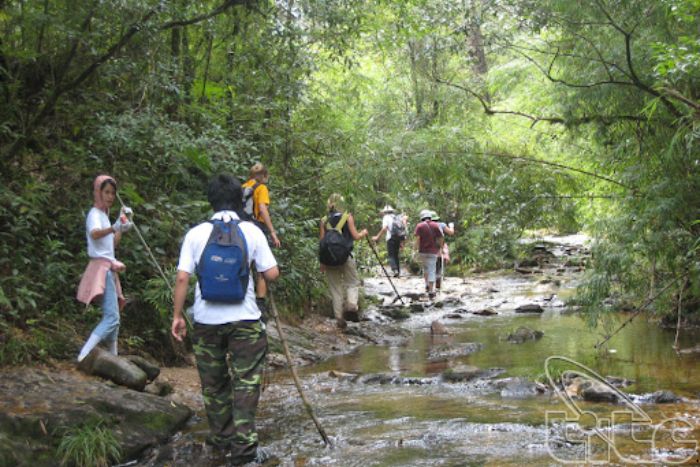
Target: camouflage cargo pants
[{"x": 231, "y": 395}]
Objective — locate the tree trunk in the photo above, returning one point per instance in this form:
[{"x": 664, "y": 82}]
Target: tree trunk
[{"x": 475, "y": 42}]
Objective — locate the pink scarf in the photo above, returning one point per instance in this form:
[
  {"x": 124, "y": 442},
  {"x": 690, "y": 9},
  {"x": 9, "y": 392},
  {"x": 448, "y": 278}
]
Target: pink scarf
[{"x": 97, "y": 192}]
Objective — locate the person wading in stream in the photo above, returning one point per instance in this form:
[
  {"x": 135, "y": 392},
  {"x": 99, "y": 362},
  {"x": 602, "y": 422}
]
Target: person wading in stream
[
  {"x": 100, "y": 278},
  {"x": 395, "y": 227},
  {"x": 429, "y": 241},
  {"x": 255, "y": 208},
  {"x": 444, "y": 253},
  {"x": 342, "y": 278},
  {"x": 226, "y": 333}
]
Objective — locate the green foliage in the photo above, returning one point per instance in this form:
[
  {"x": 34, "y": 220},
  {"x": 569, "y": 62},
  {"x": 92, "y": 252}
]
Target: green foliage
[
  {"x": 503, "y": 116},
  {"x": 91, "y": 444}
]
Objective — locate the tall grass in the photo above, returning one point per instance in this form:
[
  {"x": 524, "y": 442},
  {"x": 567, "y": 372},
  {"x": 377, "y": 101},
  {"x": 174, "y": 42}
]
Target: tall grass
[{"x": 89, "y": 445}]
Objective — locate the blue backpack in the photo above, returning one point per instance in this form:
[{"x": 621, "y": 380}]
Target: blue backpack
[{"x": 223, "y": 270}]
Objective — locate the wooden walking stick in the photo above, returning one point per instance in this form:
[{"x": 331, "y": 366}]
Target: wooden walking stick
[
  {"x": 398, "y": 296},
  {"x": 292, "y": 369}
]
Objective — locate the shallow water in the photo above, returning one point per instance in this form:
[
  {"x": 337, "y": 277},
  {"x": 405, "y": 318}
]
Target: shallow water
[{"x": 477, "y": 423}]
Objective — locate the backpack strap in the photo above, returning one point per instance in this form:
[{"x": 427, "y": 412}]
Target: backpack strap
[
  {"x": 341, "y": 223},
  {"x": 339, "y": 226}
]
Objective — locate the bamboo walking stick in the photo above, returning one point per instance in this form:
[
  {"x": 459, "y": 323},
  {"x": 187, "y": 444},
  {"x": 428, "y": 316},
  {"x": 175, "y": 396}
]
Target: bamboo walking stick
[
  {"x": 292, "y": 369},
  {"x": 398, "y": 296}
]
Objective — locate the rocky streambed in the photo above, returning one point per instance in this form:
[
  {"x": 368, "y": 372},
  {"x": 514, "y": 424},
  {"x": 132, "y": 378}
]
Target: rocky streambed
[{"x": 470, "y": 378}]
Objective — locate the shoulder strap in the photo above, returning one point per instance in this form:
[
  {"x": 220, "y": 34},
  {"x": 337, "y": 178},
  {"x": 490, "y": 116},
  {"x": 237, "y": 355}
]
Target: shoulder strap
[{"x": 341, "y": 223}]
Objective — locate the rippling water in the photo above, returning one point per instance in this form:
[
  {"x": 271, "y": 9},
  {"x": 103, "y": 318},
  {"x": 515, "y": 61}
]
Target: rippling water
[{"x": 477, "y": 423}]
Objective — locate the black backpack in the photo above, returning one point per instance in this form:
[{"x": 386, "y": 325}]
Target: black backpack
[
  {"x": 223, "y": 270},
  {"x": 335, "y": 249},
  {"x": 398, "y": 228}
]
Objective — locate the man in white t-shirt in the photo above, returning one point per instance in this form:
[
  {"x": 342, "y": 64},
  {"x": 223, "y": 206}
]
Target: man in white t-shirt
[{"x": 221, "y": 329}]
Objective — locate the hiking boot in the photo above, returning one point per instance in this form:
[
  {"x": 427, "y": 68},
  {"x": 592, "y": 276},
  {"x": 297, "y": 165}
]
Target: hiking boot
[
  {"x": 431, "y": 295},
  {"x": 341, "y": 323}
]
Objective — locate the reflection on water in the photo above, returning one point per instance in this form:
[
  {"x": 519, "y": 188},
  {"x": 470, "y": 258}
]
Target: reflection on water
[
  {"x": 472, "y": 423},
  {"x": 642, "y": 352}
]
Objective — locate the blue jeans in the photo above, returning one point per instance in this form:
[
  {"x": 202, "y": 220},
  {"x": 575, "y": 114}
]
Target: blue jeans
[{"x": 108, "y": 328}]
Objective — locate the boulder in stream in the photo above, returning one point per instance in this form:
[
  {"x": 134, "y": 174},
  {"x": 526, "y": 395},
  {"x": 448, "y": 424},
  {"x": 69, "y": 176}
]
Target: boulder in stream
[
  {"x": 521, "y": 388},
  {"x": 485, "y": 312},
  {"x": 524, "y": 334},
  {"x": 529, "y": 308},
  {"x": 664, "y": 397}
]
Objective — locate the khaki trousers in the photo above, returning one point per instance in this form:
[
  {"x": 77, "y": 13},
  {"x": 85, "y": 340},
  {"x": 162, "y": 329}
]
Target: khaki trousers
[{"x": 342, "y": 279}]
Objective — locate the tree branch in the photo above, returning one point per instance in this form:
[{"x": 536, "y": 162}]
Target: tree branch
[
  {"x": 60, "y": 90},
  {"x": 606, "y": 119},
  {"x": 205, "y": 16}
]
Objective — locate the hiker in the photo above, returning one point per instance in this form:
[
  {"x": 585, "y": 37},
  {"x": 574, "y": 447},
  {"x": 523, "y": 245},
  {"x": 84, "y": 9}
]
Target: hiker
[
  {"x": 429, "y": 241},
  {"x": 230, "y": 329},
  {"x": 395, "y": 227},
  {"x": 100, "y": 279},
  {"x": 342, "y": 278},
  {"x": 444, "y": 254},
  {"x": 255, "y": 208}
]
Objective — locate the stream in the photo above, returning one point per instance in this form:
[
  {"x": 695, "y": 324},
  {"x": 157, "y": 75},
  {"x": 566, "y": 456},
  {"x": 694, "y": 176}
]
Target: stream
[{"x": 390, "y": 405}]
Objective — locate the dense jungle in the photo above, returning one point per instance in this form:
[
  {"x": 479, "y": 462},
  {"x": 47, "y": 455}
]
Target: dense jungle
[{"x": 513, "y": 119}]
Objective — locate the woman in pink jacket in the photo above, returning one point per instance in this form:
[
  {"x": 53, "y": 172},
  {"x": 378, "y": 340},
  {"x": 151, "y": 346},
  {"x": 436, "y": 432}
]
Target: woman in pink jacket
[{"x": 100, "y": 279}]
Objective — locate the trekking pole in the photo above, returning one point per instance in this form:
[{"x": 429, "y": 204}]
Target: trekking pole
[
  {"x": 398, "y": 296},
  {"x": 295, "y": 377},
  {"x": 153, "y": 258}
]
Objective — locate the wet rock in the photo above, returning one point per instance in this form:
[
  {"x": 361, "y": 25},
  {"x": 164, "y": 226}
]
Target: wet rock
[
  {"x": 493, "y": 290},
  {"x": 395, "y": 312},
  {"x": 448, "y": 351},
  {"x": 529, "y": 308},
  {"x": 452, "y": 301},
  {"x": 523, "y": 270},
  {"x": 461, "y": 373},
  {"x": 343, "y": 376},
  {"x": 454, "y": 316},
  {"x": 664, "y": 397},
  {"x": 114, "y": 368},
  {"x": 528, "y": 263},
  {"x": 595, "y": 391},
  {"x": 485, "y": 312},
  {"x": 618, "y": 382},
  {"x": 151, "y": 369},
  {"x": 524, "y": 334},
  {"x": 416, "y": 307},
  {"x": 520, "y": 388},
  {"x": 413, "y": 296},
  {"x": 36, "y": 407},
  {"x": 158, "y": 388},
  {"x": 439, "y": 305},
  {"x": 388, "y": 378},
  {"x": 438, "y": 329}
]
